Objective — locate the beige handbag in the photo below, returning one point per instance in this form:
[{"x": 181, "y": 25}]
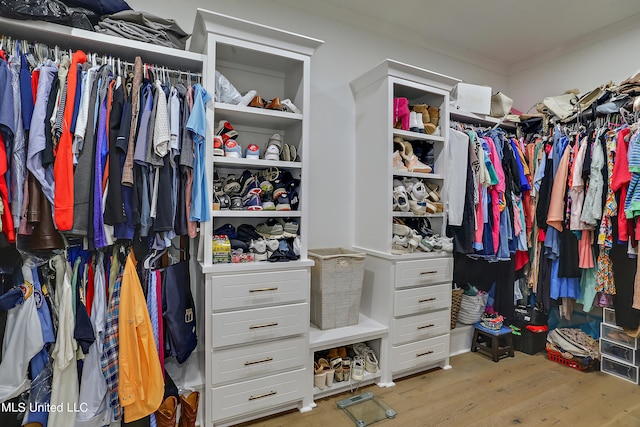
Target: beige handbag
[
  {"x": 500, "y": 105},
  {"x": 561, "y": 106}
]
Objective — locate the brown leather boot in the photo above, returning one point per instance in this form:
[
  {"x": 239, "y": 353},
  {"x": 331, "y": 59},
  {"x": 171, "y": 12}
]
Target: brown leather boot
[
  {"x": 189, "y": 409},
  {"x": 422, "y": 109},
  {"x": 167, "y": 412},
  {"x": 274, "y": 104},
  {"x": 434, "y": 115},
  {"x": 45, "y": 236}
]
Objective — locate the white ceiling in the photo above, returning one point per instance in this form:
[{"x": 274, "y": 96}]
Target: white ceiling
[{"x": 504, "y": 36}]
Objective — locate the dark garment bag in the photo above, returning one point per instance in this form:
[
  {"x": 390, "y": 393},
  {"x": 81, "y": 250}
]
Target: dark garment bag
[{"x": 178, "y": 311}]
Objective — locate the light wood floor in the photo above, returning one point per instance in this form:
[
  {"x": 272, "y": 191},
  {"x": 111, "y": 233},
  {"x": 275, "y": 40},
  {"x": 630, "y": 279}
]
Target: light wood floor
[{"x": 524, "y": 390}]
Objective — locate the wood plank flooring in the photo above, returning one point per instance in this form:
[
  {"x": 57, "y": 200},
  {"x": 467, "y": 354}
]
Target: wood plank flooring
[{"x": 524, "y": 390}]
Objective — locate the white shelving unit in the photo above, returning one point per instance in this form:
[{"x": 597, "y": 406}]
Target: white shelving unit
[
  {"x": 257, "y": 313},
  {"x": 409, "y": 293}
]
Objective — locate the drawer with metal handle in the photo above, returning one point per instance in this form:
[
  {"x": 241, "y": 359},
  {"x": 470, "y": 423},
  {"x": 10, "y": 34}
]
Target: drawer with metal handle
[
  {"x": 424, "y": 272},
  {"x": 419, "y": 353},
  {"x": 419, "y": 327},
  {"x": 420, "y": 300},
  {"x": 258, "y": 324}
]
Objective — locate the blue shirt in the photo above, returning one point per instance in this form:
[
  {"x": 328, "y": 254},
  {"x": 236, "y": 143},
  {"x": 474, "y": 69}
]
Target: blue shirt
[{"x": 197, "y": 124}]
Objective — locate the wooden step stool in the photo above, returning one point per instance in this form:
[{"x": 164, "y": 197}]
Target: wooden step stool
[{"x": 492, "y": 345}]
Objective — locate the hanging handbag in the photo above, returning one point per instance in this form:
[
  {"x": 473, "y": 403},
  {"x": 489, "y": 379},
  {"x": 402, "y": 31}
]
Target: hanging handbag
[{"x": 178, "y": 312}]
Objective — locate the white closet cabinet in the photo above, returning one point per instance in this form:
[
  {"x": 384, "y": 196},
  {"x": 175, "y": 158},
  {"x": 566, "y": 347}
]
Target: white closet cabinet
[
  {"x": 257, "y": 313},
  {"x": 409, "y": 293}
]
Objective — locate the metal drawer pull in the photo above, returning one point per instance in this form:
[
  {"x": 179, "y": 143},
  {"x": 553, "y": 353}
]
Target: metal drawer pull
[
  {"x": 271, "y": 393},
  {"x": 268, "y": 359},
  {"x": 266, "y": 325},
  {"x": 429, "y": 272},
  {"x": 263, "y": 290},
  {"x": 428, "y": 299},
  {"x": 431, "y": 325},
  {"x": 424, "y": 354}
]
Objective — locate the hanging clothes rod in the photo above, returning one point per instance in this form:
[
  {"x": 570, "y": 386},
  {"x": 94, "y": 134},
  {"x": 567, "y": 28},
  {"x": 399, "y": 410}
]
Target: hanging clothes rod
[{"x": 42, "y": 51}]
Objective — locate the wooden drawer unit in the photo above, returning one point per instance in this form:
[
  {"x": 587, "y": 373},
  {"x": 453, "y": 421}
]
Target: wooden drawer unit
[
  {"x": 251, "y": 396},
  {"x": 424, "y": 272},
  {"x": 239, "y": 363},
  {"x": 420, "y": 300},
  {"x": 619, "y": 369},
  {"x": 419, "y": 353},
  {"x": 420, "y": 327},
  {"x": 258, "y": 289},
  {"x": 250, "y": 326}
]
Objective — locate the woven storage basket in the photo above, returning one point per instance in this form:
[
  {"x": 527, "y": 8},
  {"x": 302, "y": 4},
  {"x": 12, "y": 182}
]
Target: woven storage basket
[
  {"x": 336, "y": 287},
  {"x": 456, "y": 299}
]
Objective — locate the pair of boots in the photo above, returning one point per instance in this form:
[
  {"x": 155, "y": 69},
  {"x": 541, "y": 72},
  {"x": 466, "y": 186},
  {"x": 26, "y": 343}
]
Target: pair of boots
[
  {"x": 430, "y": 116},
  {"x": 167, "y": 412}
]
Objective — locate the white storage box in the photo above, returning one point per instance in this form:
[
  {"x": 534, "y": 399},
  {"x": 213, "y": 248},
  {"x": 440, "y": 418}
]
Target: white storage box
[
  {"x": 336, "y": 287},
  {"x": 471, "y": 98}
]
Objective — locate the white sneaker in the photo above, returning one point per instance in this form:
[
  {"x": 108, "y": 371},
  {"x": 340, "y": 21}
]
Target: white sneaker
[
  {"x": 272, "y": 246},
  {"x": 398, "y": 164},
  {"x": 400, "y": 245},
  {"x": 289, "y": 106},
  {"x": 418, "y": 207},
  {"x": 297, "y": 245},
  {"x": 246, "y": 99},
  {"x": 259, "y": 249},
  {"x": 401, "y": 230}
]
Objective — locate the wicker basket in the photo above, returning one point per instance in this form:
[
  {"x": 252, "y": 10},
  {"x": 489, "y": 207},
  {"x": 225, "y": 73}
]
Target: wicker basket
[
  {"x": 336, "y": 287},
  {"x": 456, "y": 299}
]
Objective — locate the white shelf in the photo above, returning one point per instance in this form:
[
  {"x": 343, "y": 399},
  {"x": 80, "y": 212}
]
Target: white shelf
[
  {"x": 256, "y": 214},
  {"x": 404, "y": 257},
  {"x": 473, "y": 118},
  {"x": 256, "y": 266},
  {"x": 366, "y": 329},
  {"x": 399, "y": 214},
  {"x": 256, "y": 117},
  {"x": 339, "y": 387},
  {"x": 415, "y": 135},
  {"x": 242, "y": 163},
  {"x": 418, "y": 175}
]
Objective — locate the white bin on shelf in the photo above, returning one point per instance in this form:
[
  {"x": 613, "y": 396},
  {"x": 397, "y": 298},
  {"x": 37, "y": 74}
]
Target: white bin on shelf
[{"x": 336, "y": 287}]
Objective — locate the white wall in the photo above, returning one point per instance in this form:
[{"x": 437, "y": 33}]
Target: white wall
[
  {"x": 347, "y": 53},
  {"x": 614, "y": 58}
]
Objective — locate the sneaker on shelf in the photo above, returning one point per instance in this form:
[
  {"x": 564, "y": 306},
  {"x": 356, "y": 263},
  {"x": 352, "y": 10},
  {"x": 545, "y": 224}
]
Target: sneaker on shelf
[
  {"x": 274, "y": 147},
  {"x": 282, "y": 202},
  {"x": 294, "y": 200},
  {"x": 231, "y": 185},
  {"x": 232, "y": 149},
  {"x": 447, "y": 244},
  {"x": 259, "y": 249},
  {"x": 297, "y": 245},
  {"x": 418, "y": 207},
  {"x": 290, "y": 106},
  {"x": 271, "y": 229},
  {"x": 250, "y": 185},
  {"x": 252, "y": 152},
  {"x": 426, "y": 244},
  {"x": 236, "y": 203},
  {"x": 418, "y": 190},
  {"x": 266, "y": 186},
  {"x": 218, "y": 185},
  {"x": 218, "y": 146},
  {"x": 225, "y": 202},
  {"x": 399, "y": 245},
  {"x": 279, "y": 189},
  {"x": 414, "y": 240},
  {"x": 357, "y": 368},
  {"x": 400, "y": 201},
  {"x": 401, "y": 229},
  {"x": 398, "y": 164},
  {"x": 413, "y": 122},
  {"x": 252, "y": 202},
  {"x": 290, "y": 227},
  {"x": 371, "y": 362},
  {"x": 247, "y": 97},
  {"x": 225, "y": 128},
  {"x": 272, "y": 246},
  {"x": 267, "y": 204}
]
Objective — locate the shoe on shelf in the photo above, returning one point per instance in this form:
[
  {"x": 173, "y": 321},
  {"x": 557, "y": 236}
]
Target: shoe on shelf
[
  {"x": 412, "y": 161},
  {"x": 279, "y": 189},
  {"x": 282, "y": 202},
  {"x": 289, "y": 226},
  {"x": 426, "y": 244},
  {"x": 232, "y": 149},
  {"x": 218, "y": 146},
  {"x": 414, "y": 240},
  {"x": 418, "y": 207},
  {"x": 447, "y": 244},
  {"x": 418, "y": 190},
  {"x": 400, "y": 230},
  {"x": 297, "y": 246},
  {"x": 400, "y": 201},
  {"x": 371, "y": 362},
  {"x": 336, "y": 365},
  {"x": 434, "y": 118},
  {"x": 285, "y": 154},
  {"x": 236, "y": 203},
  {"x": 274, "y": 147},
  {"x": 400, "y": 245},
  {"x": 413, "y": 122},
  {"x": 231, "y": 185},
  {"x": 267, "y": 204},
  {"x": 293, "y": 154},
  {"x": 433, "y": 194},
  {"x": 247, "y": 97},
  {"x": 398, "y": 164},
  {"x": 271, "y": 229},
  {"x": 252, "y": 202},
  {"x": 294, "y": 201},
  {"x": 357, "y": 368},
  {"x": 319, "y": 376},
  {"x": 259, "y": 249},
  {"x": 290, "y": 106},
  {"x": 422, "y": 110},
  {"x": 430, "y": 207},
  {"x": 225, "y": 202},
  {"x": 326, "y": 367},
  {"x": 346, "y": 368},
  {"x": 257, "y": 102},
  {"x": 401, "y": 113},
  {"x": 274, "y": 104},
  {"x": 272, "y": 246},
  {"x": 225, "y": 128},
  {"x": 252, "y": 152}
]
